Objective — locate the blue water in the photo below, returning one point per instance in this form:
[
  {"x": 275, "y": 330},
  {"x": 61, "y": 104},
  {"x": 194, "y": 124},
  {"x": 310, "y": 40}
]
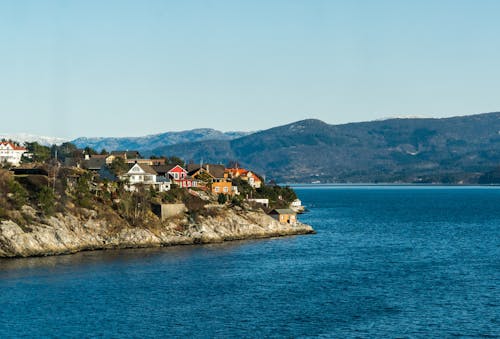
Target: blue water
[{"x": 386, "y": 262}]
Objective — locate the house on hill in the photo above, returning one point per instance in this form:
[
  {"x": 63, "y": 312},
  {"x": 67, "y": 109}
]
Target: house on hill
[
  {"x": 216, "y": 175},
  {"x": 93, "y": 164},
  {"x": 177, "y": 174},
  {"x": 141, "y": 174},
  {"x": 125, "y": 155},
  {"x": 150, "y": 162},
  {"x": 11, "y": 153},
  {"x": 252, "y": 179}
]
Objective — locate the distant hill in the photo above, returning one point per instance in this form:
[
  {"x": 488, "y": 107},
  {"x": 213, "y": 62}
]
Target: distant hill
[
  {"x": 448, "y": 150},
  {"x": 157, "y": 140}
]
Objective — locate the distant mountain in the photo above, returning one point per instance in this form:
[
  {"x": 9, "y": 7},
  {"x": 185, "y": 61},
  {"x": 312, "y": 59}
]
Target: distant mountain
[
  {"x": 156, "y": 140},
  {"x": 448, "y": 150},
  {"x": 24, "y": 137}
]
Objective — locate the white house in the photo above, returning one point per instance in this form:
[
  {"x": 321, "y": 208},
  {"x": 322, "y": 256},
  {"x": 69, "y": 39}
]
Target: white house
[
  {"x": 11, "y": 153},
  {"x": 296, "y": 205},
  {"x": 142, "y": 174}
]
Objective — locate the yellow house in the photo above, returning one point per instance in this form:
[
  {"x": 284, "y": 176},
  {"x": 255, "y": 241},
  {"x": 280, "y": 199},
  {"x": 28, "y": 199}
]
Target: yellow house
[{"x": 284, "y": 215}]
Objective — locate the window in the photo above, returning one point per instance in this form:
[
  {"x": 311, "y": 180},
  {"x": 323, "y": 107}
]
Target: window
[
  {"x": 217, "y": 189},
  {"x": 226, "y": 189}
]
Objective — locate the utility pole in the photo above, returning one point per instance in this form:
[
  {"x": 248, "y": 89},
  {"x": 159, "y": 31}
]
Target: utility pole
[{"x": 56, "y": 165}]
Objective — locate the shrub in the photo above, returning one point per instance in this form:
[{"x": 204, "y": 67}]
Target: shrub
[
  {"x": 46, "y": 200},
  {"x": 222, "y": 199},
  {"x": 19, "y": 196}
]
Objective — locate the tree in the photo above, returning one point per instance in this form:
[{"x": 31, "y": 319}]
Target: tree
[
  {"x": 222, "y": 199},
  {"x": 18, "y": 196},
  {"x": 65, "y": 150},
  {"x": 82, "y": 190},
  {"x": 90, "y": 151},
  {"x": 46, "y": 200},
  {"x": 118, "y": 167},
  {"x": 174, "y": 160},
  {"x": 40, "y": 153}
]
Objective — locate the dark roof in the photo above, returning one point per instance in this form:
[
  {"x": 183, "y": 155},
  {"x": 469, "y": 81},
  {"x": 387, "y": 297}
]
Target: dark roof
[
  {"x": 193, "y": 172},
  {"x": 163, "y": 169},
  {"x": 217, "y": 171},
  {"x": 282, "y": 211},
  {"x": 69, "y": 161},
  {"x": 30, "y": 171},
  {"x": 127, "y": 154},
  {"x": 93, "y": 163},
  {"x": 163, "y": 179}
]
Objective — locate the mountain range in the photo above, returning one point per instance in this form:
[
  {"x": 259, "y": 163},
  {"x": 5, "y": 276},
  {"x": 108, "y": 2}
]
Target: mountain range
[
  {"x": 156, "y": 140},
  {"x": 447, "y": 150},
  {"x": 399, "y": 150}
]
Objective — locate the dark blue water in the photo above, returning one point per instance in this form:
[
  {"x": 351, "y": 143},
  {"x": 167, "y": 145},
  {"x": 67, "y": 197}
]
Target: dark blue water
[{"x": 386, "y": 262}]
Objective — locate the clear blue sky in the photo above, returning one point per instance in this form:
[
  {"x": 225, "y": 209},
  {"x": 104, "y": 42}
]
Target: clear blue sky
[{"x": 116, "y": 68}]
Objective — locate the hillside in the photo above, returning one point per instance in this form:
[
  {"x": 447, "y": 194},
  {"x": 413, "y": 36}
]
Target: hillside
[
  {"x": 73, "y": 210},
  {"x": 448, "y": 150},
  {"x": 156, "y": 140}
]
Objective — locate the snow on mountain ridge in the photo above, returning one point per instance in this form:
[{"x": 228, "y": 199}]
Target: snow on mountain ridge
[{"x": 26, "y": 137}]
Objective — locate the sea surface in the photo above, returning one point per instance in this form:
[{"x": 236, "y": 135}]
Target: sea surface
[{"x": 386, "y": 262}]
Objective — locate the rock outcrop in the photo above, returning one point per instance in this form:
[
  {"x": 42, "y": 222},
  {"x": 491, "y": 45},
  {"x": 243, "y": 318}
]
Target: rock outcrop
[{"x": 62, "y": 234}]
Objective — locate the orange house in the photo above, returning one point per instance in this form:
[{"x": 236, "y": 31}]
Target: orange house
[
  {"x": 252, "y": 179},
  {"x": 224, "y": 187}
]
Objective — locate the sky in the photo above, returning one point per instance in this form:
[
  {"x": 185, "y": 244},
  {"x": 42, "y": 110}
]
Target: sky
[{"x": 131, "y": 68}]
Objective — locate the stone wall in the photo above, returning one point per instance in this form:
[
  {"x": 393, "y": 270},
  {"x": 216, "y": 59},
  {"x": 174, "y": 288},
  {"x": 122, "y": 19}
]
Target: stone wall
[{"x": 165, "y": 211}]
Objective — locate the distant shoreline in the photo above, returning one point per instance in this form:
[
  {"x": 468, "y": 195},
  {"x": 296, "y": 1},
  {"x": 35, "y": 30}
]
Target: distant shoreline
[{"x": 392, "y": 185}]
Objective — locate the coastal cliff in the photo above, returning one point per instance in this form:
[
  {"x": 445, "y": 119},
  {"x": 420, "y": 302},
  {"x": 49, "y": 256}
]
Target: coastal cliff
[{"x": 63, "y": 234}]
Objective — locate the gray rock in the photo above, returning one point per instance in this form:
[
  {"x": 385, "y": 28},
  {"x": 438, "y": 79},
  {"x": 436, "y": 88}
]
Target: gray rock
[{"x": 68, "y": 234}]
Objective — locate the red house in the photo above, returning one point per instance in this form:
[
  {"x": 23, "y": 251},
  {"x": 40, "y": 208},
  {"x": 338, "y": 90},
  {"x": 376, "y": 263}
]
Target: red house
[{"x": 180, "y": 177}]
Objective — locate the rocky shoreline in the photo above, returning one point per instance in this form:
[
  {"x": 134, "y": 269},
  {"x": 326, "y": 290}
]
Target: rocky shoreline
[{"x": 65, "y": 234}]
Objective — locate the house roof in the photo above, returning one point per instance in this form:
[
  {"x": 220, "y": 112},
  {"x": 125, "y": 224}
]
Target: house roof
[
  {"x": 237, "y": 171},
  {"x": 163, "y": 179},
  {"x": 12, "y": 145},
  {"x": 215, "y": 170},
  {"x": 93, "y": 163},
  {"x": 282, "y": 211},
  {"x": 163, "y": 169},
  {"x": 253, "y": 175},
  {"x": 30, "y": 170},
  {"x": 146, "y": 168},
  {"x": 126, "y": 154},
  {"x": 199, "y": 170}
]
